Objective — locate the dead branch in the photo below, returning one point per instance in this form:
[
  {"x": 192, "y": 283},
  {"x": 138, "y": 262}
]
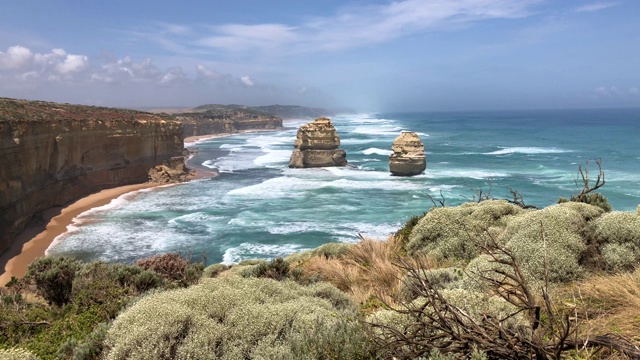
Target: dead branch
[
  {"x": 584, "y": 176},
  {"x": 440, "y": 201},
  {"x": 518, "y": 200}
]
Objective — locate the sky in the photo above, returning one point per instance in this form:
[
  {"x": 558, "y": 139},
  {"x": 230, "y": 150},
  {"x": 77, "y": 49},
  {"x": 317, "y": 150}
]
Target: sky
[{"x": 403, "y": 55}]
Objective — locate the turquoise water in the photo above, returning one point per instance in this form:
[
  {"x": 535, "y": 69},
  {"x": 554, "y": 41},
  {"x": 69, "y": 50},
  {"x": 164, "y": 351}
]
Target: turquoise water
[{"x": 259, "y": 208}]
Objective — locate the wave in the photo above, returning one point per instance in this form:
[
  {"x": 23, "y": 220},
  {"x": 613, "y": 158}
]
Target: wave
[
  {"x": 527, "y": 150},
  {"x": 273, "y": 157},
  {"x": 377, "y": 151},
  {"x": 375, "y": 130},
  {"x": 258, "y": 251}
]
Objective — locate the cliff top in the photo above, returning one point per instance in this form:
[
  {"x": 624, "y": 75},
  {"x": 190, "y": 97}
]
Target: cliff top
[{"x": 28, "y": 110}]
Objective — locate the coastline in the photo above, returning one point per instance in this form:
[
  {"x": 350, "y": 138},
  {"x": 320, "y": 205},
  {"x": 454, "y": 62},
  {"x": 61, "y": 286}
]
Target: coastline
[{"x": 34, "y": 240}]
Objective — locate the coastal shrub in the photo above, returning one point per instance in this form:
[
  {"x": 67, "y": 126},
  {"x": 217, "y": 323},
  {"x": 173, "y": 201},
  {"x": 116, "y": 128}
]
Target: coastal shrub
[
  {"x": 448, "y": 233},
  {"x": 594, "y": 199},
  {"x": 443, "y": 278},
  {"x": 405, "y": 231},
  {"x": 17, "y": 354},
  {"x": 94, "y": 286},
  {"x": 173, "y": 268},
  {"x": 214, "y": 270},
  {"x": 53, "y": 277},
  {"x": 477, "y": 306},
  {"x": 276, "y": 269},
  {"x": 620, "y": 257},
  {"x": 619, "y": 234},
  {"x": 328, "y": 250},
  {"x": 229, "y": 317},
  {"x": 563, "y": 229},
  {"x": 89, "y": 349}
]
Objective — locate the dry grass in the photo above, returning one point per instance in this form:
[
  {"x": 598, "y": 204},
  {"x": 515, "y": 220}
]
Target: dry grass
[
  {"x": 367, "y": 271},
  {"x": 607, "y": 304}
]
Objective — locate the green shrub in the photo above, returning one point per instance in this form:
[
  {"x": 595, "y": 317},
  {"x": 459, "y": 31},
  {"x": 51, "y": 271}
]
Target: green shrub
[
  {"x": 17, "y": 354},
  {"x": 594, "y": 199},
  {"x": 405, "y": 231},
  {"x": 227, "y": 318},
  {"x": 447, "y": 233},
  {"x": 173, "y": 268},
  {"x": 619, "y": 235},
  {"x": 53, "y": 277},
  {"x": 328, "y": 250},
  {"x": 214, "y": 270},
  {"x": 277, "y": 269}
]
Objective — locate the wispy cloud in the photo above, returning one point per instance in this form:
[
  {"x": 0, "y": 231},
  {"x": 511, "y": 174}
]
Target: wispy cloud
[
  {"x": 349, "y": 27},
  {"x": 596, "y": 6}
]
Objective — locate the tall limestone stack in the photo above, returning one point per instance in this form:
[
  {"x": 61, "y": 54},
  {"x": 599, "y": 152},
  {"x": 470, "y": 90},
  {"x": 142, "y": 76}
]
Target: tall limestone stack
[
  {"x": 408, "y": 158},
  {"x": 317, "y": 146}
]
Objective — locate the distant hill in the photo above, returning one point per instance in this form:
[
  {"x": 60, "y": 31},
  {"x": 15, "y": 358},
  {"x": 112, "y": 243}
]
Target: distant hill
[{"x": 283, "y": 111}]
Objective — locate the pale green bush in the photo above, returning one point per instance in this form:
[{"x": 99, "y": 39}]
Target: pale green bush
[
  {"x": 563, "y": 229},
  {"x": 228, "y": 317},
  {"x": 620, "y": 256},
  {"x": 448, "y": 233},
  {"x": 619, "y": 234},
  {"x": 17, "y": 354}
]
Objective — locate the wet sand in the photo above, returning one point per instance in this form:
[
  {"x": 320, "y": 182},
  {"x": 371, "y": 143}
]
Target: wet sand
[{"x": 35, "y": 239}]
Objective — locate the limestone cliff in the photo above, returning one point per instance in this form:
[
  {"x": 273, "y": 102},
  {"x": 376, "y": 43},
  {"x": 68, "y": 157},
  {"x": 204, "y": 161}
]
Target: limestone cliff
[
  {"x": 224, "y": 120},
  {"x": 51, "y": 154},
  {"x": 408, "y": 157},
  {"x": 317, "y": 146}
]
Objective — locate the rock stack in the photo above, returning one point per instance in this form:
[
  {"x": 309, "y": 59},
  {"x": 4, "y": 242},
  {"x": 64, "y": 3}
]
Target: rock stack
[
  {"x": 317, "y": 146},
  {"x": 408, "y": 158}
]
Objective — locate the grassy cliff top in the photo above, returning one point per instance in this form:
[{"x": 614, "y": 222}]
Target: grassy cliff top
[{"x": 27, "y": 110}]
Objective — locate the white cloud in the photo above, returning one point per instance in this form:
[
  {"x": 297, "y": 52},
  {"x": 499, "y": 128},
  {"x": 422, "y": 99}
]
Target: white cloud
[
  {"x": 634, "y": 91},
  {"x": 207, "y": 73},
  {"x": 351, "y": 27},
  {"x": 172, "y": 75},
  {"x": 596, "y": 6},
  {"x": 16, "y": 57},
  {"x": 246, "y": 80},
  {"x": 72, "y": 64}
]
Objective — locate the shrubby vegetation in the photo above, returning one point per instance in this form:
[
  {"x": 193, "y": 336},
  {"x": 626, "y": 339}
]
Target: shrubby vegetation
[
  {"x": 484, "y": 280},
  {"x": 234, "y": 318},
  {"x": 62, "y": 308}
]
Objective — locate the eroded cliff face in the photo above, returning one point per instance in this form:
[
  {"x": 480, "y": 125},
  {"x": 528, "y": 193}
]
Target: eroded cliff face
[
  {"x": 317, "y": 146},
  {"x": 51, "y": 154},
  {"x": 219, "y": 121}
]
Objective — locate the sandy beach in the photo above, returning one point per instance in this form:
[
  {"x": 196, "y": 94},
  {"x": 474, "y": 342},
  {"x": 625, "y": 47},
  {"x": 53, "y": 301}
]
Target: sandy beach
[{"x": 34, "y": 241}]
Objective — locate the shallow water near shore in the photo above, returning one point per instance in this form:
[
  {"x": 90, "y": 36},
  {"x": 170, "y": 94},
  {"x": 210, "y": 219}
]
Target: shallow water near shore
[{"x": 259, "y": 208}]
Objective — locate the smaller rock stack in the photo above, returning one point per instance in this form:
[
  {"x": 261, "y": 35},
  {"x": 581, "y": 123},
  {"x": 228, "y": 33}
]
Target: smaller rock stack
[
  {"x": 408, "y": 158},
  {"x": 317, "y": 146}
]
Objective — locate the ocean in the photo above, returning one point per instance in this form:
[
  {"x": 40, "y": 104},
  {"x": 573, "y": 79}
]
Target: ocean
[{"x": 259, "y": 208}]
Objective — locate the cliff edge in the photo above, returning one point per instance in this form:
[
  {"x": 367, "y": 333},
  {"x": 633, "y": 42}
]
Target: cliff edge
[{"x": 51, "y": 154}]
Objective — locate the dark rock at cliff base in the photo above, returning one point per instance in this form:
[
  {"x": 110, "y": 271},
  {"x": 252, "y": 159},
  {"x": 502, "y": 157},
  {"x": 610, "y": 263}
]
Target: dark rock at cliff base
[
  {"x": 408, "y": 158},
  {"x": 317, "y": 146},
  {"x": 170, "y": 171}
]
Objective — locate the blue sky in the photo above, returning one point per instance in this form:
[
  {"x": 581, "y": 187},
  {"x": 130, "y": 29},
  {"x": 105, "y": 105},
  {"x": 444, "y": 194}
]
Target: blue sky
[{"x": 370, "y": 55}]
